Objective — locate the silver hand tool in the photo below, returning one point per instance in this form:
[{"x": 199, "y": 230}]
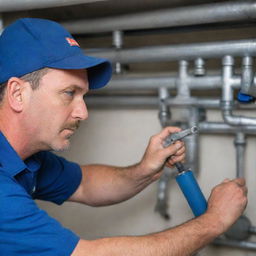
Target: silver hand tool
[{"x": 179, "y": 135}]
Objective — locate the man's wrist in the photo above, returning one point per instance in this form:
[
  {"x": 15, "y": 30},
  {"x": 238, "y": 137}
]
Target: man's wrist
[
  {"x": 213, "y": 223},
  {"x": 139, "y": 174}
]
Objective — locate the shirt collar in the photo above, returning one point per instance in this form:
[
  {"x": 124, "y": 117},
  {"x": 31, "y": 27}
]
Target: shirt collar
[{"x": 11, "y": 162}]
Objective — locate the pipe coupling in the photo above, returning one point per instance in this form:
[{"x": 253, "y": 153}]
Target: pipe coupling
[{"x": 226, "y": 105}]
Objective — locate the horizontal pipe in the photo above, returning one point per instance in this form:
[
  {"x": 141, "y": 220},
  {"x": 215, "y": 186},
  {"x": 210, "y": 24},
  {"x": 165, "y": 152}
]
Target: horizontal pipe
[
  {"x": 121, "y": 101},
  {"x": 237, "y": 120},
  {"x": 175, "y": 17},
  {"x": 153, "y": 102},
  {"x": 236, "y": 244},
  {"x": 238, "y": 48},
  {"x": 18, "y": 5},
  {"x": 147, "y": 102},
  {"x": 146, "y": 82},
  {"x": 222, "y": 128}
]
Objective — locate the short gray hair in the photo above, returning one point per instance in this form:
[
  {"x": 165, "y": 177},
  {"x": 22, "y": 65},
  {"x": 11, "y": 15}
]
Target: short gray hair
[{"x": 33, "y": 78}]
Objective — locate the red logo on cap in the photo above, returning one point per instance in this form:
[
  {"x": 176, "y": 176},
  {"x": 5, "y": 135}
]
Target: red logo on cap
[{"x": 72, "y": 42}]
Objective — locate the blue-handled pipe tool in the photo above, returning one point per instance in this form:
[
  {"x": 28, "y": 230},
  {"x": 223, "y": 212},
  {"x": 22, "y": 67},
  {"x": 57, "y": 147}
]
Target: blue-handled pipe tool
[{"x": 185, "y": 177}]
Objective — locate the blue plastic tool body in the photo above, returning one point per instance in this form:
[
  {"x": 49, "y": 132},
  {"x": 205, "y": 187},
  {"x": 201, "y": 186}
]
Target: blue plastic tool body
[{"x": 192, "y": 192}]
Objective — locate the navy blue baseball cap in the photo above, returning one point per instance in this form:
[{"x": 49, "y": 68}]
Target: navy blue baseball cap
[{"x": 30, "y": 44}]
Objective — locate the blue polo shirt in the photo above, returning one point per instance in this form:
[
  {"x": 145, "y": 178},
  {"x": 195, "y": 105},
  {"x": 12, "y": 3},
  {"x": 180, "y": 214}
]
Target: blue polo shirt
[{"x": 25, "y": 229}]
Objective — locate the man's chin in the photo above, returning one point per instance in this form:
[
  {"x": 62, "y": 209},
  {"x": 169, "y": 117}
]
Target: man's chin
[{"x": 63, "y": 147}]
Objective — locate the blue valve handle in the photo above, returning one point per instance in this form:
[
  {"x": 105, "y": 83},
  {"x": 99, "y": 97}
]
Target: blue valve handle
[
  {"x": 186, "y": 179},
  {"x": 192, "y": 192}
]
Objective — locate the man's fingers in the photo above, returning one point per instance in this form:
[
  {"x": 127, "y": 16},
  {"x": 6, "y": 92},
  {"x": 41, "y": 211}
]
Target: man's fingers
[
  {"x": 239, "y": 182},
  {"x": 180, "y": 151},
  {"x": 168, "y": 131},
  {"x": 175, "y": 159},
  {"x": 174, "y": 148}
]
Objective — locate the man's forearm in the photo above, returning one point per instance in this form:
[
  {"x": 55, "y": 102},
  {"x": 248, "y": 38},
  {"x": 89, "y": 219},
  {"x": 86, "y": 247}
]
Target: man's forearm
[
  {"x": 106, "y": 185},
  {"x": 182, "y": 240}
]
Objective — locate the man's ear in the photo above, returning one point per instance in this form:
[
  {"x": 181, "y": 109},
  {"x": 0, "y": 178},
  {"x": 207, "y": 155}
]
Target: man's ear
[{"x": 14, "y": 92}]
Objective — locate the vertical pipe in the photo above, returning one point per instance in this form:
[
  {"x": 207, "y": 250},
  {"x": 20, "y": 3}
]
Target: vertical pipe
[
  {"x": 227, "y": 73},
  {"x": 191, "y": 114},
  {"x": 164, "y": 110},
  {"x": 192, "y": 142},
  {"x": 182, "y": 81},
  {"x": 240, "y": 143},
  {"x": 247, "y": 76},
  {"x": 118, "y": 44},
  {"x": 162, "y": 187}
]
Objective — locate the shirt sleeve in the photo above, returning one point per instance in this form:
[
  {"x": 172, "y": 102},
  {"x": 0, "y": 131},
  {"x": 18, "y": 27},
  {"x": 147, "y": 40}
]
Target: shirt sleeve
[
  {"x": 27, "y": 230},
  {"x": 57, "y": 178}
]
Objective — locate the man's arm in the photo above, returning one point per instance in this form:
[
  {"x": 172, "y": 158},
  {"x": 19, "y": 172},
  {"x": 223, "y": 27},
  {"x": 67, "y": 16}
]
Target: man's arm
[
  {"x": 105, "y": 185},
  {"x": 225, "y": 205}
]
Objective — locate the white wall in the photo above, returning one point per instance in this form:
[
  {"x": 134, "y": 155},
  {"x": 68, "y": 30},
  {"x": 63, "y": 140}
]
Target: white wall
[{"x": 119, "y": 137}]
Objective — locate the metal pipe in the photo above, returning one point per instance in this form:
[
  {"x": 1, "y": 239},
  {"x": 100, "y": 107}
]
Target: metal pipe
[
  {"x": 179, "y": 52},
  {"x": 164, "y": 111},
  {"x": 191, "y": 114},
  {"x": 18, "y": 5},
  {"x": 247, "y": 76},
  {"x": 227, "y": 73},
  {"x": 146, "y": 82},
  {"x": 223, "y": 128},
  {"x": 151, "y": 101},
  {"x": 227, "y": 96},
  {"x": 183, "y": 90},
  {"x": 164, "y": 115},
  {"x": 192, "y": 142},
  {"x": 162, "y": 193},
  {"x": 236, "y": 244},
  {"x": 240, "y": 143},
  {"x": 121, "y": 101},
  {"x": 118, "y": 44},
  {"x": 199, "y": 69},
  {"x": 175, "y": 17},
  {"x": 237, "y": 120}
]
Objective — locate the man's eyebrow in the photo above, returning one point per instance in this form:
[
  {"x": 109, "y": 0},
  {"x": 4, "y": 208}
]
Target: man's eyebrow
[{"x": 77, "y": 87}]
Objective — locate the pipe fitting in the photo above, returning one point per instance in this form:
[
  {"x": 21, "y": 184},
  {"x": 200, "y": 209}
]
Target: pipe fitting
[
  {"x": 199, "y": 67},
  {"x": 229, "y": 118},
  {"x": 227, "y": 73},
  {"x": 227, "y": 95},
  {"x": 247, "y": 80},
  {"x": 228, "y": 61},
  {"x": 117, "y": 38},
  {"x": 183, "y": 89},
  {"x": 164, "y": 111}
]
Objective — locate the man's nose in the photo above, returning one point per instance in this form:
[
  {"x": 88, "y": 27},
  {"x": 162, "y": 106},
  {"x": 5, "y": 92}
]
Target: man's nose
[{"x": 80, "y": 111}]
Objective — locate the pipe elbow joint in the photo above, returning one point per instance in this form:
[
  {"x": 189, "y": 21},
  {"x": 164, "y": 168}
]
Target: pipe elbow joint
[{"x": 233, "y": 120}]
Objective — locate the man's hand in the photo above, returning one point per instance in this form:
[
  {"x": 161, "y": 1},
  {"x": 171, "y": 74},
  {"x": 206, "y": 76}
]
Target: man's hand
[
  {"x": 156, "y": 156},
  {"x": 227, "y": 202}
]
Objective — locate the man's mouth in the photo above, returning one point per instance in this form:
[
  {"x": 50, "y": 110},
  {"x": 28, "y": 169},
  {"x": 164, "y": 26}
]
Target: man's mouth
[{"x": 72, "y": 127}]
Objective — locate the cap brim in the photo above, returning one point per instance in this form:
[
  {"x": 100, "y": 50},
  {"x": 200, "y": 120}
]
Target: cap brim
[{"x": 99, "y": 69}]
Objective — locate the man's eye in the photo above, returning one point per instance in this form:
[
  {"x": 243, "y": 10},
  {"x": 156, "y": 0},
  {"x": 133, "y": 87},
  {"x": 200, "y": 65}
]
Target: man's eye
[{"x": 70, "y": 93}]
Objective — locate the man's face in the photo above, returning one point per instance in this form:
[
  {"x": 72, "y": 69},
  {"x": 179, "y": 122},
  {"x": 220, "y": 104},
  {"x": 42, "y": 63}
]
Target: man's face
[{"x": 55, "y": 109}]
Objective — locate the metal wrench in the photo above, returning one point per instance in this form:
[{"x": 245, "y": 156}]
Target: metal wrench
[{"x": 179, "y": 135}]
